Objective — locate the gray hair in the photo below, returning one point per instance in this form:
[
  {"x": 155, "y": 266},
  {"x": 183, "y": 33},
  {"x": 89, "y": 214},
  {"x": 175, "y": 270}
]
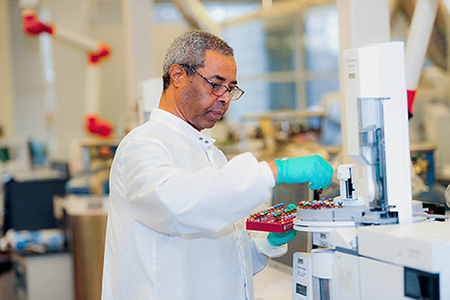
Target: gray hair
[{"x": 190, "y": 48}]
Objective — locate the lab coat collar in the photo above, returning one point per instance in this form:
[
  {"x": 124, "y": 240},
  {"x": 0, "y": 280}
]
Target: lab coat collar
[{"x": 179, "y": 125}]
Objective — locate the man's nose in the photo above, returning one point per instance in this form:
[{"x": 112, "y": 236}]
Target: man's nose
[{"x": 225, "y": 98}]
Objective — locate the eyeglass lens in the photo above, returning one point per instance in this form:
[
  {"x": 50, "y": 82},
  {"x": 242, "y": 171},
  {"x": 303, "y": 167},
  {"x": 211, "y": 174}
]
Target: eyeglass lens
[{"x": 220, "y": 90}]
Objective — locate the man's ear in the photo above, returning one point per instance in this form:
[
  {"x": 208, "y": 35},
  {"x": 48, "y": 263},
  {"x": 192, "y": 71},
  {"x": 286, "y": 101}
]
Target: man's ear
[{"x": 177, "y": 74}]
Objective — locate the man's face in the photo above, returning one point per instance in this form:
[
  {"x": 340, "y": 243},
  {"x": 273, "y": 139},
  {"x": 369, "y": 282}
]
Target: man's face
[{"x": 197, "y": 105}]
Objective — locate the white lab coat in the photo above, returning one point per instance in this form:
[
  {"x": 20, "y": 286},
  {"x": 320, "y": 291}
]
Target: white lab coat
[{"x": 175, "y": 226}]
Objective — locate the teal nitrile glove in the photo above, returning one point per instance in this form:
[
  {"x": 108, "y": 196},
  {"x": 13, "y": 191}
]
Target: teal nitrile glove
[
  {"x": 277, "y": 239},
  {"x": 312, "y": 169}
]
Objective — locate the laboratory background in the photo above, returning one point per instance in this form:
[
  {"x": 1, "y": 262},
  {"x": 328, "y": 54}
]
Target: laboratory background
[{"x": 77, "y": 75}]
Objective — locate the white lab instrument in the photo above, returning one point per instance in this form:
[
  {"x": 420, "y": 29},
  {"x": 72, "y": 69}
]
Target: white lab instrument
[
  {"x": 447, "y": 195},
  {"x": 350, "y": 185},
  {"x": 406, "y": 257},
  {"x": 408, "y": 261},
  {"x": 313, "y": 274},
  {"x": 302, "y": 276},
  {"x": 378, "y": 140}
]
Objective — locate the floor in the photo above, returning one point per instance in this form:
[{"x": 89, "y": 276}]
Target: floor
[
  {"x": 7, "y": 286},
  {"x": 273, "y": 283}
]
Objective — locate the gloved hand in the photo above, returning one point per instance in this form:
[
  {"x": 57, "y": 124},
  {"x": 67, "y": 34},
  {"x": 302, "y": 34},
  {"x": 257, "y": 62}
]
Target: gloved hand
[
  {"x": 277, "y": 239},
  {"x": 312, "y": 169}
]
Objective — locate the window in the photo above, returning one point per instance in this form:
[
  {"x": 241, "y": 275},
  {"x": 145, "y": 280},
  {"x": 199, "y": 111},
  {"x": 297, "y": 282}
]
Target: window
[{"x": 284, "y": 62}]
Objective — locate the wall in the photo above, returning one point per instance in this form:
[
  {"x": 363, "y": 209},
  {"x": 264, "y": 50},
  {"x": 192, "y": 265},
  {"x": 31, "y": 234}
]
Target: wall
[
  {"x": 43, "y": 78},
  {"x": 49, "y": 106},
  {"x": 6, "y": 95},
  {"x": 27, "y": 80}
]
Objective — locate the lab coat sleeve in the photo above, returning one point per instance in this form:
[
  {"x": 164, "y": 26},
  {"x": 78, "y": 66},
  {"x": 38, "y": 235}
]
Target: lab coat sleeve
[
  {"x": 176, "y": 200},
  {"x": 263, "y": 251}
]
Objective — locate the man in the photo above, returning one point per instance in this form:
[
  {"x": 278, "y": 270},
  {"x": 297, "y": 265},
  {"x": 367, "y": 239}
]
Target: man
[{"x": 175, "y": 227}]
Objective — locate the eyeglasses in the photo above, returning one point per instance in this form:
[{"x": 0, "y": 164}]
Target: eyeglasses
[{"x": 217, "y": 88}]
